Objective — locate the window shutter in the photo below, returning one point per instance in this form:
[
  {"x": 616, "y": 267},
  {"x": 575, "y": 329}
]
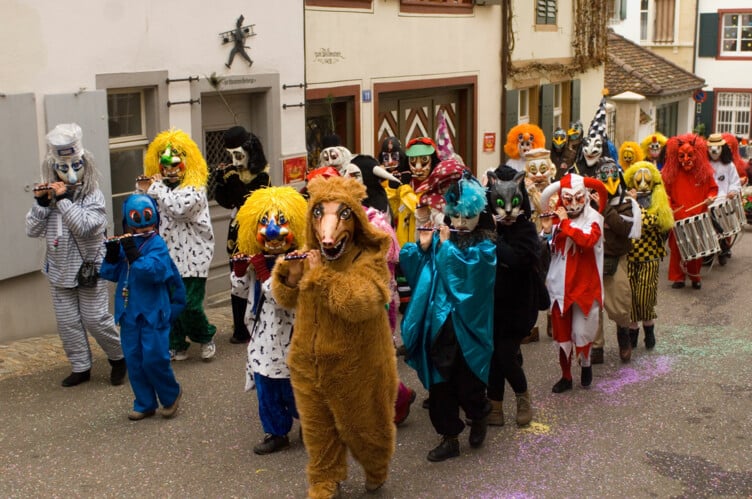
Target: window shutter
[
  {"x": 623, "y": 10},
  {"x": 708, "y": 113},
  {"x": 547, "y": 110},
  {"x": 575, "y": 111},
  {"x": 513, "y": 97},
  {"x": 708, "y": 35}
]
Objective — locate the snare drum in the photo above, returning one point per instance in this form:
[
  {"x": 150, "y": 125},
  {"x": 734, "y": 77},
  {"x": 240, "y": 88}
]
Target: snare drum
[
  {"x": 725, "y": 214},
  {"x": 739, "y": 210},
  {"x": 696, "y": 237}
]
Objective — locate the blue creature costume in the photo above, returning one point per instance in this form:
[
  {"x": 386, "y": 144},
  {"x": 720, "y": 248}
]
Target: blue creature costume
[
  {"x": 448, "y": 326},
  {"x": 149, "y": 296}
]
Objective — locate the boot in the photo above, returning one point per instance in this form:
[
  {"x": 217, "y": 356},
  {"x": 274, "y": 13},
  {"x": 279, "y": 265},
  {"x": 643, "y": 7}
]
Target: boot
[
  {"x": 649, "y": 336},
  {"x": 532, "y": 337},
  {"x": 633, "y": 334},
  {"x": 625, "y": 343},
  {"x": 117, "y": 375},
  {"x": 549, "y": 326},
  {"x": 478, "y": 430},
  {"x": 496, "y": 417},
  {"x": 448, "y": 448},
  {"x": 524, "y": 409},
  {"x": 77, "y": 378},
  {"x": 586, "y": 376}
]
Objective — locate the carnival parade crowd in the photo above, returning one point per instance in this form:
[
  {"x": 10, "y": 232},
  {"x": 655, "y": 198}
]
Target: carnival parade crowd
[{"x": 406, "y": 254}]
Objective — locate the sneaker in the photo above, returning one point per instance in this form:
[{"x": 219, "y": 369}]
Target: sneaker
[
  {"x": 170, "y": 411},
  {"x": 272, "y": 443},
  {"x": 448, "y": 448},
  {"x": 178, "y": 354},
  {"x": 208, "y": 350},
  {"x": 138, "y": 416}
]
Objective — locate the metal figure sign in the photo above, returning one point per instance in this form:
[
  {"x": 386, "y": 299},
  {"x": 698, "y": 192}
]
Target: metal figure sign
[{"x": 237, "y": 37}]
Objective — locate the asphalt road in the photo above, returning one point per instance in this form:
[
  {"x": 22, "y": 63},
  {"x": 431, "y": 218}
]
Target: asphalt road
[{"x": 674, "y": 422}]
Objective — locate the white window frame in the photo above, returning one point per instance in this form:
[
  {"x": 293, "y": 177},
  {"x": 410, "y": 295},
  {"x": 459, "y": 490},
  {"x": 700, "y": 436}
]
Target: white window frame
[
  {"x": 645, "y": 17},
  {"x": 736, "y": 110},
  {"x": 523, "y": 106},
  {"x": 738, "y": 52}
]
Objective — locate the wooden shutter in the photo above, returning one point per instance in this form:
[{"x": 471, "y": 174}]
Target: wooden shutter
[
  {"x": 575, "y": 111},
  {"x": 547, "y": 110},
  {"x": 707, "y": 113},
  {"x": 708, "y": 35}
]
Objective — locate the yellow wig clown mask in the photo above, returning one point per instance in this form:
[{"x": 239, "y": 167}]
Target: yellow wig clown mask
[
  {"x": 272, "y": 221},
  {"x": 175, "y": 156},
  {"x": 652, "y": 145},
  {"x": 630, "y": 153}
]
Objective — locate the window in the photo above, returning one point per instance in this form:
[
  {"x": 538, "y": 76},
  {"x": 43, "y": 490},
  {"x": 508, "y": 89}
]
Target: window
[
  {"x": 352, "y": 4},
  {"x": 545, "y": 12},
  {"x": 666, "y": 118},
  {"x": 617, "y": 11},
  {"x": 664, "y": 21},
  {"x": 523, "y": 108},
  {"x": 557, "y": 105},
  {"x": 733, "y": 113},
  {"x": 126, "y": 111},
  {"x": 643, "y": 20},
  {"x": 736, "y": 34},
  {"x": 437, "y": 6}
]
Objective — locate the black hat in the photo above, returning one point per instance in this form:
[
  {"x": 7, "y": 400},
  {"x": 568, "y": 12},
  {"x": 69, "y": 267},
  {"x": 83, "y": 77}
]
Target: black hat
[
  {"x": 236, "y": 136},
  {"x": 331, "y": 140}
]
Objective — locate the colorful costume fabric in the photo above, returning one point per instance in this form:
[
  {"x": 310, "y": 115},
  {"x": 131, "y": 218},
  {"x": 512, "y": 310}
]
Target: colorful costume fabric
[
  {"x": 185, "y": 225},
  {"x": 73, "y": 223},
  {"x": 342, "y": 360},
  {"x": 149, "y": 296}
]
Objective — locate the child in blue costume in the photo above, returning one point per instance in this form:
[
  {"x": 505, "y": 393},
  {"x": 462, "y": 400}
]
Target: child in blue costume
[
  {"x": 149, "y": 296},
  {"x": 448, "y": 325}
]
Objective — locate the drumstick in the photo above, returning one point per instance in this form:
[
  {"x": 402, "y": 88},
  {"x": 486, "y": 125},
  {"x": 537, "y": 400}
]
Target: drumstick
[
  {"x": 696, "y": 206},
  {"x": 436, "y": 228}
]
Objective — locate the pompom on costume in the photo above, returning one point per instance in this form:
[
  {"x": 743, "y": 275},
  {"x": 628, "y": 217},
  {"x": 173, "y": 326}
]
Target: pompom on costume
[
  {"x": 690, "y": 185},
  {"x": 647, "y": 251},
  {"x": 521, "y": 139},
  {"x": 271, "y": 223},
  {"x": 185, "y": 225},
  {"x": 341, "y": 359}
]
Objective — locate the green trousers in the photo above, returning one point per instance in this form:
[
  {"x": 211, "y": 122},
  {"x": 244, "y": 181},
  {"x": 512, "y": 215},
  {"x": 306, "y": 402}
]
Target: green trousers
[{"x": 192, "y": 322}]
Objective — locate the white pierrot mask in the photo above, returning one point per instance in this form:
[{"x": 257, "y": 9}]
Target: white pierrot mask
[
  {"x": 592, "y": 149},
  {"x": 239, "y": 157}
]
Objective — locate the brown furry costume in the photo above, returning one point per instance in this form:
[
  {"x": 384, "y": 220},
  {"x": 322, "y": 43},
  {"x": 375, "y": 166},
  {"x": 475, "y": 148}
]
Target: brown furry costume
[{"x": 342, "y": 361}]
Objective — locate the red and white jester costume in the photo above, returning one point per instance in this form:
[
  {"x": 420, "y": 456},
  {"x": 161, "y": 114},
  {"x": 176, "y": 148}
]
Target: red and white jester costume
[{"x": 574, "y": 276}]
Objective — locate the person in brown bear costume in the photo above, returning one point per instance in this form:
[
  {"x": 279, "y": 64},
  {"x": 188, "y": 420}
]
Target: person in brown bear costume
[{"x": 342, "y": 363}]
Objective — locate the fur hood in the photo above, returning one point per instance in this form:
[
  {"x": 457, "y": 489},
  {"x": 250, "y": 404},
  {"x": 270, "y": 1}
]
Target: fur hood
[{"x": 351, "y": 193}]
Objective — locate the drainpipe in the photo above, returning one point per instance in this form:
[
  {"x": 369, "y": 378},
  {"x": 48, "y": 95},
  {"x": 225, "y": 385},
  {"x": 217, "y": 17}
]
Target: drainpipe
[{"x": 504, "y": 63}]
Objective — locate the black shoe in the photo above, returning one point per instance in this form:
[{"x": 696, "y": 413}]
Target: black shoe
[
  {"x": 586, "y": 376},
  {"x": 649, "y": 336},
  {"x": 696, "y": 285},
  {"x": 77, "y": 378},
  {"x": 478, "y": 432},
  {"x": 425, "y": 403},
  {"x": 448, "y": 448},
  {"x": 117, "y": 375},
  {"x": 678, "y": 285},
  {"x": 272, "y": 443},
  {"x": 722, "y": 259},
  {"x": 633, "y": 334},
  {"x": 596, "y": 356},
  {"x": 239, "y": 341},
  {"x": 402, "y": 351},
  {"x": 562, "y": 385}
]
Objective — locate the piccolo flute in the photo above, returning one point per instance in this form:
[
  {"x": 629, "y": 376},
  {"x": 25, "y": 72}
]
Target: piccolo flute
[
  {"x": 48, "y": 187},
  {"x": 426, "y": 229},
  {"x": 296, "y": 257}
]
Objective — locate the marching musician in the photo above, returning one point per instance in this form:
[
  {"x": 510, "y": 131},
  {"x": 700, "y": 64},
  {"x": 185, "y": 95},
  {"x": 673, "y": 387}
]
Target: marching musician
[{"x": 69, "y": 213}]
